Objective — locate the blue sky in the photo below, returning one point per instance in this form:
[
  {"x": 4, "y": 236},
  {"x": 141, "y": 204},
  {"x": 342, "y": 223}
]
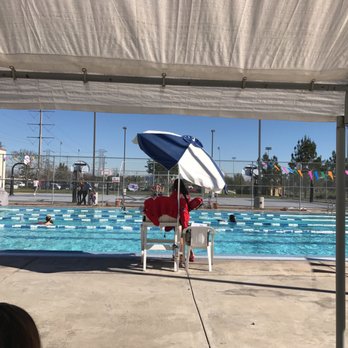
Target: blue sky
[{"x": 235, "y": 137}]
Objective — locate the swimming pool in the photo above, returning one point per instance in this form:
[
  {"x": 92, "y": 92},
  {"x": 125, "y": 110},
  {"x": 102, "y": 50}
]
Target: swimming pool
[{"x": 104, "y": 231}]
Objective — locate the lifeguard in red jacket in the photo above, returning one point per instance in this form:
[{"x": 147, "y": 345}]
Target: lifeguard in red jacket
[{"x": 156, "y": 207}]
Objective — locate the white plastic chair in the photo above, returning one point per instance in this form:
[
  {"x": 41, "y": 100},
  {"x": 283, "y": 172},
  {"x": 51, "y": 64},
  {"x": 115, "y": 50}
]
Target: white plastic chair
[{"x": 199, "y": 237}]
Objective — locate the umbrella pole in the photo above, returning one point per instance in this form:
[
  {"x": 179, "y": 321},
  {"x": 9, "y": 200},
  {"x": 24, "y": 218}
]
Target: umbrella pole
[{"x": 180, "y": 241}]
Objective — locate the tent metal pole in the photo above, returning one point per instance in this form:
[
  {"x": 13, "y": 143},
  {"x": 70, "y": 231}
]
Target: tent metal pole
[
  {"x": 94, "y": 142},
  {"x": 340, "y": 230},
  {"x": 124, "y": 170},
  {"x": 258, "y": 187},
  {"x": 39, "y": 75}
]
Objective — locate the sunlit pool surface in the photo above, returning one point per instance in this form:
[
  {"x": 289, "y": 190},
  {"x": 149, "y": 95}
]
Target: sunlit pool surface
[{"x": 110, "y": 231}]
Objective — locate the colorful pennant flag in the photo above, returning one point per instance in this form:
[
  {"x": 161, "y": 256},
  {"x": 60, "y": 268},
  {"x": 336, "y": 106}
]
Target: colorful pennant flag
[
  {"x": 313, "y": 174},
  {"x": 310, "y": 175}
]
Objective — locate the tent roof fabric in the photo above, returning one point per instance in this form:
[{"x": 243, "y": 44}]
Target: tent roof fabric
[{"x": 287, "y": 41}]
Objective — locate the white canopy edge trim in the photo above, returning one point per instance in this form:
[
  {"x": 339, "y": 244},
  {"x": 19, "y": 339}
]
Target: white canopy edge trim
[{"x": 276, "y": 104}]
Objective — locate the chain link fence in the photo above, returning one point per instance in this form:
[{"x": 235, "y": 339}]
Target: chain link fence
[{"x": 137, "y": 178}]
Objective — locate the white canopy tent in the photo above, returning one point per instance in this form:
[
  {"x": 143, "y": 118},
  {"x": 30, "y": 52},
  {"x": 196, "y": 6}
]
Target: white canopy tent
[
  {"x": 197, "y": 49},
  {"x": 263, "y": 59}
]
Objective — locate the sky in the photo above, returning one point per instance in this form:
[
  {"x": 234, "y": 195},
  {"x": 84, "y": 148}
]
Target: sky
[{"x": 71, "y": 133}]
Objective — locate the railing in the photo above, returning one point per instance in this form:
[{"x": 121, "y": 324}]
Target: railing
[{"x": 60, "y": 176}]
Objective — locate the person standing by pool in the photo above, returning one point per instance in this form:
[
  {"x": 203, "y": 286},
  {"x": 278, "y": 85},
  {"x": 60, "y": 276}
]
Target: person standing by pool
[
  {"x": 79, "y": 192},
  {"x": 92, "y": 197},
  {"x": 85, "y": 191},
  {"x": 36, "y": 184}
]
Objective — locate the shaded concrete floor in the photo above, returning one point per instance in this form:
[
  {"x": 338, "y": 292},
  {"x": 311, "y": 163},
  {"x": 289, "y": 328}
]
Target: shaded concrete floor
[
  {"x": 136, "y": 201},
  {"x": 88, "y": 301}
]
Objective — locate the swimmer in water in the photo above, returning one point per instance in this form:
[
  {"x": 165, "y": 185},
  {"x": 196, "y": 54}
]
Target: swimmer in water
[
  {"x": 232, "y": 218},
  {"x": 48, "y": 221}
]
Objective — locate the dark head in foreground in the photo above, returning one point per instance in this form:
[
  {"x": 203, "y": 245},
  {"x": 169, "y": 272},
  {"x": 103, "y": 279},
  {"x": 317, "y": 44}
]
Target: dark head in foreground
[{"x": 17, "y": 328}]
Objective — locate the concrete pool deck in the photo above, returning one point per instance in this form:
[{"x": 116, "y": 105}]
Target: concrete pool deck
[
  {"x": 88, "y": 301},
  {"x": 136, "y": 201}
]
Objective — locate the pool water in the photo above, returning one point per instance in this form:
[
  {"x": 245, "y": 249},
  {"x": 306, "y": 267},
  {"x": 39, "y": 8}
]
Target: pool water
[{"x": 112, "y": 231}]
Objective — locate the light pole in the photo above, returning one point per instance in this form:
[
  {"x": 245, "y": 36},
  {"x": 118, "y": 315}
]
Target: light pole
[
  {"x": 212, "y": 143},
  {"x": 124, "y": 167},
  {"x": 40, "y": 142},
  {"x": 60, "y": 152},
  {"x": 268, "y": 149},
  {"x": 219, "y": 157},
  {"x": 233, "y": 159}
]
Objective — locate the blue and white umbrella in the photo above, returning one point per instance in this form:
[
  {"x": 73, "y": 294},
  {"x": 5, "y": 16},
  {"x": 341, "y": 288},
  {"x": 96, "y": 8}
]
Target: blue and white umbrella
[{"x": 195, "y": 165}]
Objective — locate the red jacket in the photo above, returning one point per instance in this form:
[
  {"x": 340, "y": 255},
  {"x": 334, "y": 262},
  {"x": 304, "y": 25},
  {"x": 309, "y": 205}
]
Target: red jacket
[{"x": 155, "y": 207}]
